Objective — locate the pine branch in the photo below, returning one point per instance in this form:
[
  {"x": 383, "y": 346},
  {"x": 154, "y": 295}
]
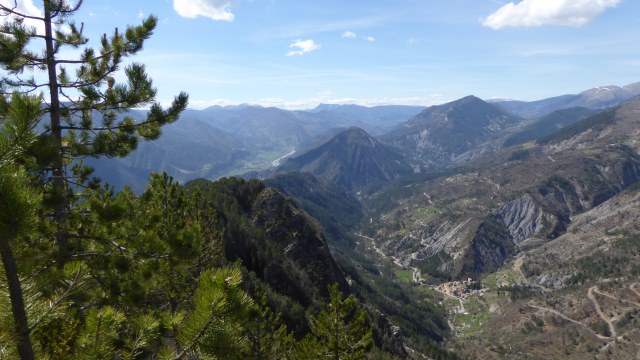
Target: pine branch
[
  {"x": 58, "y": 301},
  {"x": 12, "y": 11},
  {"x": 202, "y": 332}
]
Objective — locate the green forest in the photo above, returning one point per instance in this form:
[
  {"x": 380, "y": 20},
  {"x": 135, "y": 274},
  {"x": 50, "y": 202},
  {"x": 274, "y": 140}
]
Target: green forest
[{"x": 173, "y": 273}]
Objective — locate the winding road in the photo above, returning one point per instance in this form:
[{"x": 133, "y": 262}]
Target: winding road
[
  {"x": 603, "y": 316},
  {"x": 377, "y": 249}
]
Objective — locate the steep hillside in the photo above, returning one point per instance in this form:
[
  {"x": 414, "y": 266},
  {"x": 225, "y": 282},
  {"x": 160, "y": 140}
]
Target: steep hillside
[
  {"x": 471, "y": 223},
  {"x": 446, "y": 134},
  {"x": 186, "y": 149},
  {"x": 578, "y": 295},
  {"x": 285, "y": 254},
  {"x": 351, "y": 160},
  {"x": 548, "y": 125},
  {"x": 275, "y": 240},
  {"x": 337, "y": 211}
]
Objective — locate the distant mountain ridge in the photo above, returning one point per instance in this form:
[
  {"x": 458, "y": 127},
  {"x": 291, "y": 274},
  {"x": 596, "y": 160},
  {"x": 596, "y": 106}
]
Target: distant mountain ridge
[
  {"x": 548, "y": 125},
  {"x": 597, "y": 98},
  {"x": 233, "y": 140},
  {"x": 376, "y": 120}
]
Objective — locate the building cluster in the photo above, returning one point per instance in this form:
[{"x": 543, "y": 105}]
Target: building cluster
[{"x": 462, "y": 289}]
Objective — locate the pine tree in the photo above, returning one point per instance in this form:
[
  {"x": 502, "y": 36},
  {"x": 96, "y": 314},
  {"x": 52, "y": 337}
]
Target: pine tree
[
  {"x": 86, "y": 115},
  {"x": 86, "y": 108},
  {"x": 19, "y": 204},
  {"x": 268, "y": 336},
  {"x": 342, "y": 328}
]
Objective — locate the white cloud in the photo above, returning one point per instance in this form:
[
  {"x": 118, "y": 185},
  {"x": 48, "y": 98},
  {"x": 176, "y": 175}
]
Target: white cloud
[
  {"x": 301, "y": 47},
  {"x": 370, "y": 39},
  {"x": 348, "y": 35},
  {"x": 219, "y": 10},
  {"x": 28, "y": 8},
  {"x": 530, "y": 13}
]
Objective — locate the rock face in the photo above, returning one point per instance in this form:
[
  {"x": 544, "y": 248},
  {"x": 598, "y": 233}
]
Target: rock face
[
  {"x": 523, "y": 218},
  {"x": 389, "y": 336},
  {"x": 306, "y": 267},
  {"x": 490, "y": 247},
  {"x": 444, "y": 134}
]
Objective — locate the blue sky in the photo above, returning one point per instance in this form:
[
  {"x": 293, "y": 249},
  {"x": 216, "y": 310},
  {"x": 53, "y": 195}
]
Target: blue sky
[{"x": 296, "y": 54}]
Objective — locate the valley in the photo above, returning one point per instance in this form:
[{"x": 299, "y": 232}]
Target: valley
[
  {"x": 493, "y": 219},
  {"x": 319, "y": 180},
  {"x": 511, "y": 226}
]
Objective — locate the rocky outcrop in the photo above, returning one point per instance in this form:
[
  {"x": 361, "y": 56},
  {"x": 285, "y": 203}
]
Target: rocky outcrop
[
  {"x": 306, "y": 269},
  {"x": 490, "y": 248},
  {"x": 388, "y": 336},
  {"x": 523, "y": 218}
]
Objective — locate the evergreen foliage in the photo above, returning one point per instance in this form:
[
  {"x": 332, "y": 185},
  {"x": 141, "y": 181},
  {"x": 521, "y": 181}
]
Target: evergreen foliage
[
  {"x": 147, "y": 276},
  {"x": 91, "y": 273},
  {"x": 341, "y": 328},
  {"x": 86, "y": 108}
]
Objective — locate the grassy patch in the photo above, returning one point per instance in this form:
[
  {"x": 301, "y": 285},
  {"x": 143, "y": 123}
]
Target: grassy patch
[
  {"x": 404, "y": 275},
  {"x": 429, "y": 292},
  {"x": 474, "y": 323},
  {"x": 504, "y": 277},
  {"x": 425, "y": 214}
]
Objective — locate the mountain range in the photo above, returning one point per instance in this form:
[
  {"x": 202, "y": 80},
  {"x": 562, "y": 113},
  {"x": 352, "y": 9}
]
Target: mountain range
[
  {"x": 471, "y": 225},
  {"x": 232, "y": 140},
  {"x": 597, "y": 98},
  {"x": 505, "y": 191}
]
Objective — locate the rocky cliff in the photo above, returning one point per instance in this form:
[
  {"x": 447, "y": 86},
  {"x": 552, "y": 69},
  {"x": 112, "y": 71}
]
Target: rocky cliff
[
  {"x": 305, "y": 268},
  {"x": 470, "y": 223}
]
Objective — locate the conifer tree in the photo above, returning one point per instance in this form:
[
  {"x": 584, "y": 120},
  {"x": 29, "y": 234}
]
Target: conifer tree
[
  {"x": 342, "y": 329},
  {"x": 19, "y": 204},
  {"x": 86, "y": 109},
  {"x": 267, "y": 334},
  {"x": 85, "y": 114}
]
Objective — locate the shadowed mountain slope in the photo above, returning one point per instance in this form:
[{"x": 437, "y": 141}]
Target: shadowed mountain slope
[{"x": 351, "y": 160}]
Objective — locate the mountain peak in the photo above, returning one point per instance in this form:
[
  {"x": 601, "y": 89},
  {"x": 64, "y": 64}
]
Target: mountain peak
[
  {"x": 443, "y": 132},
  {"x": 469, "y": 98},
  {"x": 352, "y": 159}
]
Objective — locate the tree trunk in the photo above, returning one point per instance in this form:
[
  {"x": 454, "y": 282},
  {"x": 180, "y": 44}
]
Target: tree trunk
[
  {"x": 21, "y": 325},
  {"x": 58, "y": 180}
]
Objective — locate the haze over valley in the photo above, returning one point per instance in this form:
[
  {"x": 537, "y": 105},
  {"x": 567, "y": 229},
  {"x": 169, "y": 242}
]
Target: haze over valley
[{"x": 320, "y": 179}]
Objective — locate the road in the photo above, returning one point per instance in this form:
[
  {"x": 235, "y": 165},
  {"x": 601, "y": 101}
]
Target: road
[
  {"x": 603, "y": 316},
  {"x": 377, "y": 249}
]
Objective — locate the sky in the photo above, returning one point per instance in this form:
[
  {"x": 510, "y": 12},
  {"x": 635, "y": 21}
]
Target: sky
[{"x": 296, "y": 54}]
